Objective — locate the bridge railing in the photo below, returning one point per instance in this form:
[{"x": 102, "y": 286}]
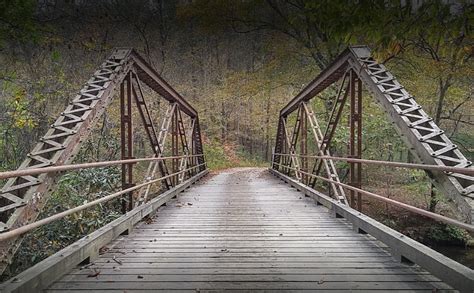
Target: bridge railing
[
  {"x": 184, "y": 174},
  {"x": 382, "y": 198}
]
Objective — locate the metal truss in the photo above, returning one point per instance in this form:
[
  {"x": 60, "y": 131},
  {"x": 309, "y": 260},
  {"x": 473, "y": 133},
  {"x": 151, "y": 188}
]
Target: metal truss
[
  {"x": 23, "y": 198},
  {"x": 427, "y": 141},
  {"x": 329, "y": 166}
]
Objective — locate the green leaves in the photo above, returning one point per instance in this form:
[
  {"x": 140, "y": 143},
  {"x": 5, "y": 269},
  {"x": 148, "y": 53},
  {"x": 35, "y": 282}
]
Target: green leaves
[
  {"x": 73, "y": 189},
  {"x": 55, "y": 55},
  {"x": 16, "y": 18},
  {"x": 20, "y": 113}
]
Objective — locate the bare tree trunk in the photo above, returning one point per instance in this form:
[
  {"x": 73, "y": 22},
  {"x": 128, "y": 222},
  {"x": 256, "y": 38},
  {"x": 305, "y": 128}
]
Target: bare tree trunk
[{"x": 444, "y": 85}]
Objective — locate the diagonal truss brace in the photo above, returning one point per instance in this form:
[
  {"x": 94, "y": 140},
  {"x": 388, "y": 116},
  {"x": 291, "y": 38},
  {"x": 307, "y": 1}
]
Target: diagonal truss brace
[
  {"x": 336, "y": 113},
  {"x": 156, "y": 145},
  {"x": 329, "y": 166},
  {"x": 154, "y": 166},
  {"x": 292, "y": 147},
  {"x": 185, "y": 138}
]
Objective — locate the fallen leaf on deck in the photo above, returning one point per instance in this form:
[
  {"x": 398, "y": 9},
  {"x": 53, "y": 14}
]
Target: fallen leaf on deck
[
  {"x": 117, "y": 260},
  {"x": 94, "y": 274},
  {"x": 148, "y": 221}
]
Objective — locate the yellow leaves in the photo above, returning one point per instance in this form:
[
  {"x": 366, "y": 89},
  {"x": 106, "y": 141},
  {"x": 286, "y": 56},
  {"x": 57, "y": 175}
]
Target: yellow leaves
[
  {"x": 468, "y": 49},
  {"x": 52, "y": 40},
  {"x": 90, "y": 45},
  {"x": 393, "y": 48},
  {"x": 20, "y": 114}
]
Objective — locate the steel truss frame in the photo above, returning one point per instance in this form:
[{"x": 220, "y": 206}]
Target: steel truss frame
[
  {"x": 426, "y": 140},
  {"x": 23, "y": 198}
]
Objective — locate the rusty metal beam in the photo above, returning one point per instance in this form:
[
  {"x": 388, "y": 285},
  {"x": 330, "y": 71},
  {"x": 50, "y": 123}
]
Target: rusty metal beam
[
  {"x": 149, "y": 76},
  {"x": 328, "y": 76},
  {"x": 126, "y": 140},
  {"x": 355, "y": 139}
]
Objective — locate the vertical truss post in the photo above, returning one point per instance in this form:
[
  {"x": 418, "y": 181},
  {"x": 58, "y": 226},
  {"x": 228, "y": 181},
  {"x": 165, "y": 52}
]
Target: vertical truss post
[
  {"x": 174, "y": 144},
  {"x": 192, "y": 159},
  {"x": 126, "y": 140},
  {"x": 286, "y": 159},
  {"x": 304, "y": 143},
  {"x": 279, "y": 146},
  {"x": 193, "y": 147},
  {"x": 198, "y": 144},
  {"x": 284, "y": 147},
  {"x": 355, "y": 140}
]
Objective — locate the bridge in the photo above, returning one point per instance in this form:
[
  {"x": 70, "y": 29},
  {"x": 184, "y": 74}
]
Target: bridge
[{"x": 297, "y": 226}]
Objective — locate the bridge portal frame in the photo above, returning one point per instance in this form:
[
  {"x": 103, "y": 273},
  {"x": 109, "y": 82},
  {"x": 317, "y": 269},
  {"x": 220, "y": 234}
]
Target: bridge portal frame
[
  {"x": 426, "y": 141},
  {"x": 23, "y": 198}
]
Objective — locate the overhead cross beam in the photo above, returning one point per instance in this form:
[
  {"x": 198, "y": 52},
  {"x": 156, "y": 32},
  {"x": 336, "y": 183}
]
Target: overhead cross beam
[
  {"x": 426, "y": 140},
  {"x": 23, "y": 198}
]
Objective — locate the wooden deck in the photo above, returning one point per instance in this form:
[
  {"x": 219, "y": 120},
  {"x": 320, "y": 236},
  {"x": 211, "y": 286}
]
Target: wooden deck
[{"x": 245, "y": 230}]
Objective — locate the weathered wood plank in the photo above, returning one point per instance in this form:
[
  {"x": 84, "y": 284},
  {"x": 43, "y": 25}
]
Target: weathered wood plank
[
  {"x": 246, "y": 271},
  {"x": 245, "y": 291},
  {"x": 254, "y": 278},
  {"x": 274, "y": 285}
]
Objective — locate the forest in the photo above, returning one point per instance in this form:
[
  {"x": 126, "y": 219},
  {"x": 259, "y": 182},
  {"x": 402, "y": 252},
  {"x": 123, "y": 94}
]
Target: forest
[{"x": 239, "y": 63}]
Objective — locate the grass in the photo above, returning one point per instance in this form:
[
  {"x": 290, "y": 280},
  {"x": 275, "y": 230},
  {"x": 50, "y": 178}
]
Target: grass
[{"x": 226, "y": 155}]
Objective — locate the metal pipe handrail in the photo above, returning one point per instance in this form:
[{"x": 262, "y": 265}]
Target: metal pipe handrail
[
  {"x": 408, "y": 207},
  {"x": 461, "y": 170},
  {"x": 36, "y": 171},
  {"x": 26, "y": 228}
]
